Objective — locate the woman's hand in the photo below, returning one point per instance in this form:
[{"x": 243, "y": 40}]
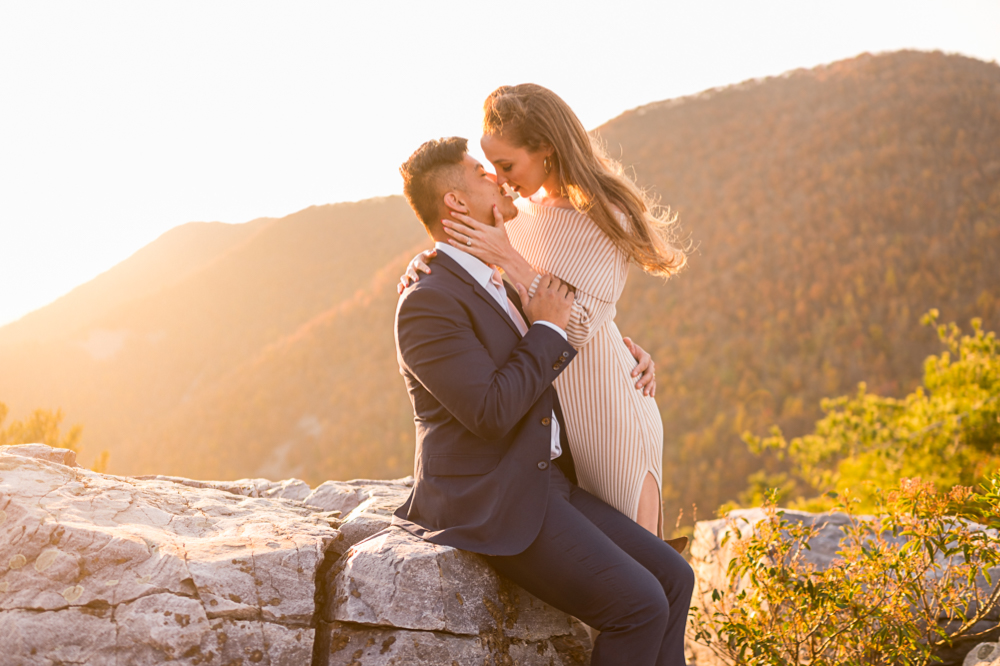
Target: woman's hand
[
  {"x": 488, "y": 244},
  {"x": 416, "y": 266},
  {"x": 645, "y": 367}
]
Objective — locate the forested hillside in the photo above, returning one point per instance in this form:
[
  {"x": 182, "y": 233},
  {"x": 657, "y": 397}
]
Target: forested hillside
[
  {"x": 151, "y": 350},
  {"x": 828, "y": 209},
  {"x": 177, "y": 254}
]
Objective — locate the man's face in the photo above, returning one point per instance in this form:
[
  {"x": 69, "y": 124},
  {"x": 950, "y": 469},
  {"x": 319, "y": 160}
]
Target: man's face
[{"x": 480, "y": 193}]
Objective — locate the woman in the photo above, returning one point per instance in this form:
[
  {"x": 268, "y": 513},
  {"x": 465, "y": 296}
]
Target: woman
[{"x": 582, "y": 220}]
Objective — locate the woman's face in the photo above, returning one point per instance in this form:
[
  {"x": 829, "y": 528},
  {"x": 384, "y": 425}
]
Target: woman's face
[{"x": 522, "y": 170}]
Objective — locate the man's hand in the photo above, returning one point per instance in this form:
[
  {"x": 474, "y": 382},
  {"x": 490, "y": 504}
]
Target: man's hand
[{"x": 552, "y": 302}]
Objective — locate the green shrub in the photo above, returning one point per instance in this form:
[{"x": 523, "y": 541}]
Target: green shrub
[
  {"x": 906, "y": 582},
  {"x": 946, "y": 432}
]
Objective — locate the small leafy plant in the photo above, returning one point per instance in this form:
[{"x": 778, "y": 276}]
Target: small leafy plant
[{"x": 906, "y": 582}]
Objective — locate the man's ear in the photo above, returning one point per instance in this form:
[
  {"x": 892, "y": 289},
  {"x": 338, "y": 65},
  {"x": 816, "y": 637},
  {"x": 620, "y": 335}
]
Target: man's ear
[{"x": 455, "y": 201}]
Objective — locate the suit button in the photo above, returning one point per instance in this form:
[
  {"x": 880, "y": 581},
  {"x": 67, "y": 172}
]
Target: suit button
[
  {"x": 546, "y": 421},
  {"x": 543, "y": 465},
  {"x": 556, "y": 366},
  {"x": 565, "y": 354}
]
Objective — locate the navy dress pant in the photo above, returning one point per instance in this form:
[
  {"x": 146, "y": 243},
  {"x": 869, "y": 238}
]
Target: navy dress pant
[{"x": 594, "y": 563}]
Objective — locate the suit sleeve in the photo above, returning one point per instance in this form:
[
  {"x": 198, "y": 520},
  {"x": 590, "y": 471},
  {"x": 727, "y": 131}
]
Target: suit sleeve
[{"x": 440, "y": 348}]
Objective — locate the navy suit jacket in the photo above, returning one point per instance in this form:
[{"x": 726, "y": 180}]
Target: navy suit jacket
[{"x": 482, "y": 402}]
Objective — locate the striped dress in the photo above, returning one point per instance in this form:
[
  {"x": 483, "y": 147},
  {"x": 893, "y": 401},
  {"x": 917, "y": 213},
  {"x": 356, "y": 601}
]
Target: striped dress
[{"x": 616, "y": 433}]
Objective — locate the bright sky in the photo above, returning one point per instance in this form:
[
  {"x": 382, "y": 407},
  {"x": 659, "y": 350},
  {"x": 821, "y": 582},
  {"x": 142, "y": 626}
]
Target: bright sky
[{"x": 120, "y": 120}]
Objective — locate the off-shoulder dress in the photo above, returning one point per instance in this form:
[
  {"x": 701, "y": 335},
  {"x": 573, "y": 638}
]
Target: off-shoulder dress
[{"x": 615, "y": 432}]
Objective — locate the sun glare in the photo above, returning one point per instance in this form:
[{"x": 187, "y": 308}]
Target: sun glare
[{"x": 124, "y": 120}]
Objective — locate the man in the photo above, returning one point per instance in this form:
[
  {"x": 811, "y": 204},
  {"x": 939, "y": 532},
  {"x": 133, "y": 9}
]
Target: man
[{"x": 494, "y": 471}]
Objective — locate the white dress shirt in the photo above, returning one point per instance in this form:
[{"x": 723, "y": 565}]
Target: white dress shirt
[{"x": 482, "y": 273}]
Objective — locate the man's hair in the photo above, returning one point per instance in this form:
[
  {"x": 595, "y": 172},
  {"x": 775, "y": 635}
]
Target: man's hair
[{"x": 430, "y": 172}]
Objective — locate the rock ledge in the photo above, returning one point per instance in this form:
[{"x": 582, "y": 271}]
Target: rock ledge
[{"x": 96, "y": 568}]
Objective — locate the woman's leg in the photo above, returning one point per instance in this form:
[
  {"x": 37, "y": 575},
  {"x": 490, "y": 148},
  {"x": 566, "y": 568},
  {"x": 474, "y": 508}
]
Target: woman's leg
[{"x": 650, "y": 507}]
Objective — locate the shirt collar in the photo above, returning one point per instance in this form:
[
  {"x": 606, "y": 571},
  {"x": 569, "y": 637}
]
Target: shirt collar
[{"x": 479, "y": 271}]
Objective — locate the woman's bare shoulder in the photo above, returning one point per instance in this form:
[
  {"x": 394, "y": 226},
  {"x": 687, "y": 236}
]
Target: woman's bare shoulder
[{"x": 619, "y": 215}]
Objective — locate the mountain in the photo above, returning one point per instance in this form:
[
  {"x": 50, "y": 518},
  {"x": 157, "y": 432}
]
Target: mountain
[
  {"x": 827, "y": 210},
  {"x": 175, "y": 255},
  {"x": 157, "y": 347}
]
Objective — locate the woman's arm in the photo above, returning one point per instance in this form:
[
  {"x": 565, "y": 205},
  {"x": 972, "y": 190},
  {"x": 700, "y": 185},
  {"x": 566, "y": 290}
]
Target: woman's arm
[
  {"x": 416, "y": 266},
  {"x": 491, "y": 245}
]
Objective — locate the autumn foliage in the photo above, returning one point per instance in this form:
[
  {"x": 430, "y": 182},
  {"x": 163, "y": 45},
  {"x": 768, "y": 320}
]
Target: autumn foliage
[{"x": 830, "y": 208}]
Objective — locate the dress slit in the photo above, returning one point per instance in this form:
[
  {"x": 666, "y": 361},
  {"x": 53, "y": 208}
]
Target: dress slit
[{"x": 615, "y": 433}]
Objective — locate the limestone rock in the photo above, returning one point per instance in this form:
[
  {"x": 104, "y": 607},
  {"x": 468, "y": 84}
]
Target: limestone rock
[
  {"x": 294, "y": 489},
  {"x": 395, "y": 579},
  {"x": 371, "y": 516},
  {"x": 95, "y": 567},
  {"x": 443, "y": 606},
  {"x": 142, "y": 632},
  {"x": 66, "y": 636},
  {"x": 345, "y": 496},
  {"x": 961, "y": 649},
  {"x": 99, "y": 569},
  {"x": 386, "y": 646},
  {"x": 984, "y": 654},
  {"x": 341, "y": 496},
  {"x": 42, "y": 452},
  {"x": 336, "y": 496},
  {"x": 366, "y": 506}
]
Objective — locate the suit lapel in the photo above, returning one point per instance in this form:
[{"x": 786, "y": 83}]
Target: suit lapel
[
  {"x": 478, "y": 289},
  {"x": 515, "y": 298}
]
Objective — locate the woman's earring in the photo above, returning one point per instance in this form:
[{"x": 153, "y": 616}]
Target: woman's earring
[{"x": 546, "y": 165}]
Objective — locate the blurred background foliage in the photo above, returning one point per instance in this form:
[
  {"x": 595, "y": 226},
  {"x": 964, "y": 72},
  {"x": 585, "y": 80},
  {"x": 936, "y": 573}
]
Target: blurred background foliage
[
  {"x": 946, "y": 432},
  {"x": 42, "y": 426}
]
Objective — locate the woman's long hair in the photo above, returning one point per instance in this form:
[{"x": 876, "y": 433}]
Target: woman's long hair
[{"x": 534, "y": 117}]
